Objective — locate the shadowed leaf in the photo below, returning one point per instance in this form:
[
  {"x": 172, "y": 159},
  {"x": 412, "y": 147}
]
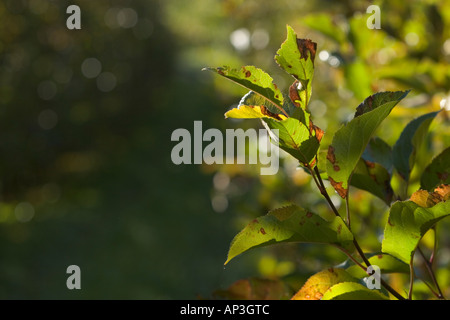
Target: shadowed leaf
[
  {"x": 379, "y": 151},
  {"x": 437, "y": 172},
  {"x": 374, "y": 178},
  {"x": 404, "y": 150}
]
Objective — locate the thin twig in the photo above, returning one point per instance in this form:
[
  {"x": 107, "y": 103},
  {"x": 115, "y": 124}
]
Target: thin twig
[
  {"x": 324, "y": 192},
  {"x": 411, "y": 278},
  {"x": 428, "y": 265},
  {"x": 429, "y": 286},
  {"x": 347, "y": 208},
  {"x": 348, "y": 254},
  {"x": 433, "y": 252},
  {"x": 319, "y": 182}
]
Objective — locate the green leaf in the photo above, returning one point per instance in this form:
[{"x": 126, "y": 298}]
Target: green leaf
[
  {"x": 290, "y": 224},
  {"x": 437, "y": 172},
  {"x": 352, "y": 291},
  {"x": 404, "y": 150},
  {"x": 350, "y": 141},
  {"x": 296, "y": 57},
  {"x": 294, "y": 138},
  {"x": 406, "y": 225},
  {"x": 256, "y": 80},
  {"x": 386, "y": 263},
  {"x": 379, "y": 151},
  {"x": 374, "y": 178}
]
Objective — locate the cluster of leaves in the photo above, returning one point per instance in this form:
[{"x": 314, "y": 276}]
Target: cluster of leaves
[{"x": 355, "y": 158}]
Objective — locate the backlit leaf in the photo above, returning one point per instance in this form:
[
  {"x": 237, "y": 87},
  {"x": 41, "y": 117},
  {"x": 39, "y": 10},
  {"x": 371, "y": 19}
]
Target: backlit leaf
[
  {"x": 296, "y": 57},
  {"x": 316, "y": 286},
  {"x": 290, "y": 224},
  {"x": 406, "y": 225},
  {"x": 254, "y": 106},
  {"x": 350, "y": 141},
  {"x": 428, "y": 199},
  {"x": 352, "y": 291},
  {"x": 256, "y": 80},
  {"x": 294, "y": 138},
  {"x": 386, "y": 263}
]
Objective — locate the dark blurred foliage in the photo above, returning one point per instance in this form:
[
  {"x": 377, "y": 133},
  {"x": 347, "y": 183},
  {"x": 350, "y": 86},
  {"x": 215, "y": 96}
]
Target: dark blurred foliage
[{"x": 86, "y": 118}]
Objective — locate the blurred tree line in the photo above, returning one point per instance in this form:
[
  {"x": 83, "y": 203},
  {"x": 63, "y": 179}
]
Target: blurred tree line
[{"x": 86, "y": 118}]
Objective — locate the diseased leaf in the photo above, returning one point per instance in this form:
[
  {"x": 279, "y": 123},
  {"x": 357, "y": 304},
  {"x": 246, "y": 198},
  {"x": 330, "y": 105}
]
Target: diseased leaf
[
  {"x": 386, "y": 263},
  {"x": 316, "y": 286},
  {"x": 406, "y": 225},
  {"x": 296, "y": 57},
  {"x": 374, "y": 178},
  {"x": 352, "y": 291},
  {"x": 404, "y": 150},
  {"x": 256, "y": 80},
  {"x": 290, "y": 224},
  {"x": 254, "y": 106},
  {"x": 437, "y": 172},
  {"x": 294, "y": 138},
  {"x": 350, "y": 141},
  {"x": 428, "y": 199},
  {"x": 255, "y": 289}
]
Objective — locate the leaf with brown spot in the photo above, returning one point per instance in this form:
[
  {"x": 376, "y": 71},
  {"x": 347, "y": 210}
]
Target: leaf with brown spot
[
  {"x": 350, "y": 141},
  {"x": 338, "y": 187},
  {"x": 296, "y": 57},
  {"x": 290, "y": 224},
  {"x": 294, "y": 138},
  {"x": 407, "y": 224},
  {"x": 258, "y": 81},
  {"x": 319, "y": 283},
  {"x": 374, "y": 178},
  {"x": 427, "y": 199},
  {"x": 379, "y": 151},
  {"x": 253, "y": 106}
]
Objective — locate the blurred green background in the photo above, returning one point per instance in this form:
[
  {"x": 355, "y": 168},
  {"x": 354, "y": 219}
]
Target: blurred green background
[{"x": 86, "y": 118}]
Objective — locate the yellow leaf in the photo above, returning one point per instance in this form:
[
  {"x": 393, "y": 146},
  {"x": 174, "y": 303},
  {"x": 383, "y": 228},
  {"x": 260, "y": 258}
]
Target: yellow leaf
[
  {"x": 252, "y": 112},
  {"x": 318, "y": 284},
  {"x": 427, "y": 199}
]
